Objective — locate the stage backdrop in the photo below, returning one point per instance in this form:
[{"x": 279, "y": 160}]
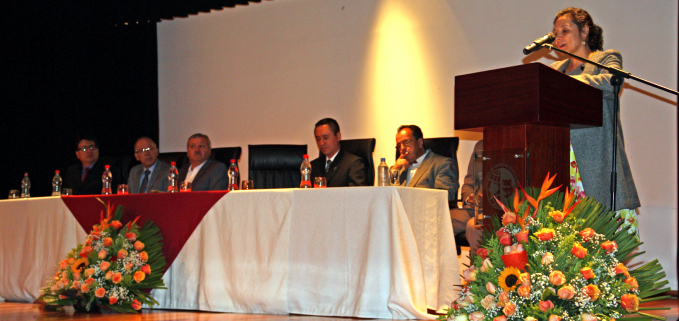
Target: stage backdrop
[{"x": 265, "y": 73}]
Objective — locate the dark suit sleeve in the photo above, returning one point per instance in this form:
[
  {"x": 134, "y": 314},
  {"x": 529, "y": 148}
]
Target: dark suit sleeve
[
  {"x": 357, "y": 174},
  {"x": 221, "y": 178},
  {"x": 446, "y": 178}
]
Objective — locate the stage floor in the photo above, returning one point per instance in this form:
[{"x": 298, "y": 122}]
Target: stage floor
[{"x": 10, "y": 311}]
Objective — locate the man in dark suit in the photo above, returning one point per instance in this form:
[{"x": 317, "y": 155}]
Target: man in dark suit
[
  {"x": 339, "y": 167},
  {"x": 204, "y": 173},
  {"x": 85, "y": 178},
  {"x": 151, "y": 174}
]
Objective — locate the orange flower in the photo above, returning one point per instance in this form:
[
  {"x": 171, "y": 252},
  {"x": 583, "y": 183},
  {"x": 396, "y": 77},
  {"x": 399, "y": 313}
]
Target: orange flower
[
  {"x": 592, "y": 292},
  {"x": 104, "y": 265},
  {"x": 554, "y": 317},
  {"x": 557, "y": 216},
  {"x": 566, "y": 292},
  {"x": 500, "y": 318},
  {"x": 508, "y": 218},
  {"x": 84, "y": 288},
  {"x": 131, "y": 236},
  {"x": 108, "y": 276},
  {"x": 88, "y": 272},
  {"x": 146, "y": 269},
  {"x": 102, "y": 254},
  {"x": 116, "y": 278},
  {"x": 632, "y": 282},
  {"x": 122, "y": 254},
  {"x": 96, "y": 235},
  {"x": 546, "y": 305},
  {"x": 522, "y": 236},
  {"x": 129, "y": 266},
  {"x": 86, "y": 251},
  {"x": 629, "y": 302},
  {"x": 524, "y": 278},
  {"x": 138, "y": 245},
  {"x": 587, "y": 273},
  {"x": 143, "y": 256},
  {"x": 482, "y": 252},
  {"x": 139, "y": 276},
  {"x": 116, "y": 224},
  {"x": 504, "y": 237},
  {"x": 112, "y": 300},
  {"x": 587, "y": 234},
  {"x": 588, "y": 317},
  {"x": 89, "y": 281},
  {"x": 509, "y": 309},
  {"x": 545, "y": 234},
  {"x": 136, "y": 304},
  {"x": 621, "y": 269},
  {"x": 64, "y": 264},
  {"x": 557, "y": 278},
  {"x": 108, "y": 241},
  {"x": 524, "y": 291},
  {"x": 609, "y": 246},
  {"x": 100, "y": 292},
  {"x": 579, "y": 251}
]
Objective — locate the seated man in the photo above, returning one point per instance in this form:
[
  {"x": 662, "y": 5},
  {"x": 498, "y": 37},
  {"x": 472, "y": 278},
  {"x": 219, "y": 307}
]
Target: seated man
[
  {"x": 339, "y": 167},
  {"x": 151, "y": 174},
  {"x": 418, "y": 167},
  {"x": 204, "y": 173},
  {"x": 85, "y": 178}
]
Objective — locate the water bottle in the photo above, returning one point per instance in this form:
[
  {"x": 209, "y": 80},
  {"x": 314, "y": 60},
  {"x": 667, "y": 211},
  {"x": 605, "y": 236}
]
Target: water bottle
[
  {"x": 233, "y": 175},
  {"x": 305, "y": 169},
  {"x": 56, "y": 184},
  {"x": 26, "y": 186},
  {"x": 383, "y": 173},
  {"x": 172, "y": 176},
  {"x": 106, "y": 179}
]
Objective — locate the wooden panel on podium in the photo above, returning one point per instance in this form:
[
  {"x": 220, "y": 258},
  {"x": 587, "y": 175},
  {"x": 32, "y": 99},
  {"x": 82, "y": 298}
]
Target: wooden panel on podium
[{"x": 526, "y": 113}]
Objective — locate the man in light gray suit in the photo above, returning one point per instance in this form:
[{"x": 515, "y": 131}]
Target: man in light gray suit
[
  {"x": 204, "y": 173},
  {"x": 422, "y": 168},
  {"x": 151, "y": 174}
]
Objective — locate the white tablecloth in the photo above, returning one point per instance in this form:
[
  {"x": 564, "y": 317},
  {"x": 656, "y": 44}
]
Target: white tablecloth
[{"x": 374, "y": 252}]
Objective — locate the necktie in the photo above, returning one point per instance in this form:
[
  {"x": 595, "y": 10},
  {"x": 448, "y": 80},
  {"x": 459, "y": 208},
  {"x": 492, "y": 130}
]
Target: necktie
[
  {"x": 327, "y": 164},
  {"x": 145, "y": 182},
  {"x": 87, "y": 169}
]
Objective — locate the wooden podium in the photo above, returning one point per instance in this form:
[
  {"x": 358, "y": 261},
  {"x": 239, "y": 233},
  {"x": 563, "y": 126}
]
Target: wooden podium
[{"x": 526, "y": 113}]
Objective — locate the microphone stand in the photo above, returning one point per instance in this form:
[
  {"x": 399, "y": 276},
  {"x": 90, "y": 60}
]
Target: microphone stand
[{"x": 616, "y": 81}]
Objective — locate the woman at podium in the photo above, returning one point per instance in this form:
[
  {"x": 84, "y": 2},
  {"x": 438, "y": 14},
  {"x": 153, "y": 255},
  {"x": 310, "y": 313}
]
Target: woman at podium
[{"x": 576, "y": 33}]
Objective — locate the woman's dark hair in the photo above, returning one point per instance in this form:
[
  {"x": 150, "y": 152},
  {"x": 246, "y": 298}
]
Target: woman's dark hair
[{"x": 581, "y": 18}]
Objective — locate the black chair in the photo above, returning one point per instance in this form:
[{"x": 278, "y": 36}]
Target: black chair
[
  {"x": 363, "y": 148},
  {"x": 275, "y": 166},
  {"x": 226, "y": 154},
  {"x": 178, "y": 157}
]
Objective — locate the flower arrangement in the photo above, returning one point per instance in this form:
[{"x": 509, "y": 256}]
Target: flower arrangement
[
  {"x": 114, "y": 269},
  {"x": 556, "y": 259}
]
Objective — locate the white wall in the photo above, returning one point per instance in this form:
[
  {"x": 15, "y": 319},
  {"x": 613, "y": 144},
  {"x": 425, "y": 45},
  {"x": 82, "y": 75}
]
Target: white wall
[{"x": 265, "y": 73}]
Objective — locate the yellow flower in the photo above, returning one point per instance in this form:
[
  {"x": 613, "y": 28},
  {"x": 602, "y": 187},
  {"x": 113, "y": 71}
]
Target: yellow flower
[
  {"x": 509, "y": 279},
  {"x": 79, "y": 264}
]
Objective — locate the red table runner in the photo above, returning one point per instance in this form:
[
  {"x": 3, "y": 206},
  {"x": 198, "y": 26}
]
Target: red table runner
[{"x": 176, "y": 214}]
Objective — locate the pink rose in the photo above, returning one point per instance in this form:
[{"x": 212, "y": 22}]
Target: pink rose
[
  {"x": 488, "y": 302},
  {"x": 476, "y": 316},
  {"x": 487, "y": 265},
  {"x": 566, "y": 292},
  {"x": 469, "y": 274},
  {"x": 490, "y": 287},
  {"x": 546, "y": 305}
]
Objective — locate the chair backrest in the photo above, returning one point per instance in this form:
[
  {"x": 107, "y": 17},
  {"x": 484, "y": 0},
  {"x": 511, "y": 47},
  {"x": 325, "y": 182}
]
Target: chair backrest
[
  {"x": 178, "y": 157},
  {"x": 444, "y": 146},
  {"x": 363, "y": 148},
  {"x": 275, "y": 166},
  {"x": 226, "y": 154}
]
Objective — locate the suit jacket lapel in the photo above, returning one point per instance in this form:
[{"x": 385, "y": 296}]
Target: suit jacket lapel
[
  {"x": 423, "y": 168},
  {"x": 202, "y": 170}
]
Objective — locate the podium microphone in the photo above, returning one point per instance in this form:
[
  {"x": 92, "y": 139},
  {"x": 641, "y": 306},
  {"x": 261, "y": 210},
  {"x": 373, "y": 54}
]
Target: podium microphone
[{"x": 537, "y": 44}]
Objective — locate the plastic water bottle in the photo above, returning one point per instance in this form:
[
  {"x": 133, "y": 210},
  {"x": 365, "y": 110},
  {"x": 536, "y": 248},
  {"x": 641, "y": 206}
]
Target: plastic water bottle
[
  {"x": 172, "y": 176},
  {"x": 305, "y": 170},
  {"x": 383, "y": 173},
  {"x": 56, "y": 184},
  {"x": 106, "y": 179},
  {"x": 233, "y": 175},
  {"x": 26, "y": 186}
]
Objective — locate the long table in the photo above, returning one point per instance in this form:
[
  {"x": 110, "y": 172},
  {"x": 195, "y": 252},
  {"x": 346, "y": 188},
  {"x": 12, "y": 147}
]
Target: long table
[{"x": 372, "y": 252}]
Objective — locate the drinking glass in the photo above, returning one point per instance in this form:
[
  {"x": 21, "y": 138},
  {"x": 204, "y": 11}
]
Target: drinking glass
[
  {"x": 123, "y": 189},
  {"x": 185, "y": 187},
  {"x": 394, "y": 177},
  {"x": 320, "y": 182},
  {"x": 66, "y": 191},
  {"x": 247, "y": 185},
  {"x": 14, "y": 193}
]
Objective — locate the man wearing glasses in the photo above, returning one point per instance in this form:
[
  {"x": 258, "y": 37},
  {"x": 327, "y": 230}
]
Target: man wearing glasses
[
  {"x": 85, "y": 178},
  {"x": 151, "y": 174}
]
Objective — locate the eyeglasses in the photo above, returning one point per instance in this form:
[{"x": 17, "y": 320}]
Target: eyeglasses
[
  {"x": 147, "y": 149},
  {"x": 404, "y": 144},
  {"x": 85, "y": 148}
]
